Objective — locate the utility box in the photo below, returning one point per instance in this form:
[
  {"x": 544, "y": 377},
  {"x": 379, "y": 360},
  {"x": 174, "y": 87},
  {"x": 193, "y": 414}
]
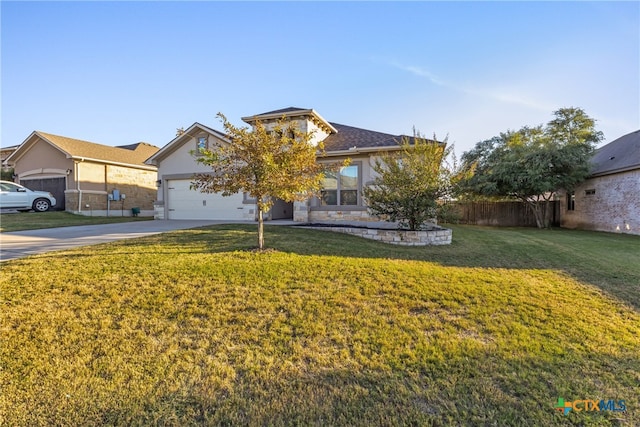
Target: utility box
[
  {"x": 116, "y": 195},
  {"x": 135, "y": 211}
]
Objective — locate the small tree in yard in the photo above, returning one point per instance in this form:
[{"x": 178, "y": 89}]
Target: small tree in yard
[
  {"x": 409, "y": 183},
  {"x": 532, "y": 163},
  {"x": 279, "y": 162}
]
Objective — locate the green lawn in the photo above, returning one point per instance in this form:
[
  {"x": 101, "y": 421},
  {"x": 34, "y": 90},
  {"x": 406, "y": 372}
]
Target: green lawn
[
  {"x": 193, "y": 328},
  {"x": 36, "y": 220}
]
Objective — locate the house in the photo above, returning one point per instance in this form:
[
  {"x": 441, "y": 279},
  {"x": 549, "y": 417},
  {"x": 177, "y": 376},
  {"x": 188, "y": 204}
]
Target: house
[
  {"x": 340, "y": 199},
  {"x": 5, "y": 152},
  {"x": 609, "y": 200},
  {"x": 83, "y": 176}
]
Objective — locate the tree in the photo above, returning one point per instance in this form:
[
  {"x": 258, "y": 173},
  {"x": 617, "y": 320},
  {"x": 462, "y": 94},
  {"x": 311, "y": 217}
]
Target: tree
[
  {"x": 531, "y": 164},
  {"x": 7, "y": 174},
  {"x": 409, "y": 183},
  {"x": 267, "y": 163}
]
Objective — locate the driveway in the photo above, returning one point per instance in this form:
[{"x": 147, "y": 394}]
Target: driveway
[{"x": 19, "y": 244}]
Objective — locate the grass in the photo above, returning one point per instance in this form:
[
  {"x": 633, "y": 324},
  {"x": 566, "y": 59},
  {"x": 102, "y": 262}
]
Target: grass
[
  {"x": 191, "y": 328},
  {"x": 37, "y": 220}
]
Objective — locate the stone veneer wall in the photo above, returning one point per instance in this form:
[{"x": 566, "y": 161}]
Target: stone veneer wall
[
  {"x": 138, "y": 185},
  {"x": 337, "y": 215},
  {"x": 613, "y": 204},
  {"x": 303, "y": 213},
  {"x": 441, "y": 236}
]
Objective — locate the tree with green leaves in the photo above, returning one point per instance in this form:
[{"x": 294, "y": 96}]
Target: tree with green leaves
[
  {"x": 531, "y": 164},
  {"x": 409, "y": 183},
  {"x": 268, "y": 163}
]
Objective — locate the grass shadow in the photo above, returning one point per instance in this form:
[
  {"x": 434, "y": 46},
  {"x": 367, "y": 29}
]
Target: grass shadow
[
  {"x": 611, "y": 262},
  {"x": 608, "y": 261}
]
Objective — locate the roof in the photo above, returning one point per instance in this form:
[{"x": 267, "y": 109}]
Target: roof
[
  {"x": 341, "y": 138},
  {"x": 284, "y": 111},
  {"x": 349, "y": 137},
  {"x": 292, "y": 112},
  {"x": 131, "y": 155},
  {"x": 181, "y": 139},
  {"x": 620, "y": 155}
]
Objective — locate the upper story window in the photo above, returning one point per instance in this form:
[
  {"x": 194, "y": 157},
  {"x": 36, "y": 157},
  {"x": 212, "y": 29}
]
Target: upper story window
[
  {"x": 201, "y": 143},
  {"x": 341, "y": 188}
]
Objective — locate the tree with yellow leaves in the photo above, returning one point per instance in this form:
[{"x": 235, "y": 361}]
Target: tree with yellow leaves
[{"x": 268, "y": 163}]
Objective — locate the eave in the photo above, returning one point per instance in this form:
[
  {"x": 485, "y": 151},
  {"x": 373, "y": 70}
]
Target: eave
[
  {"x": 311, "y": 113},
  {"x": 175, "y": 143}
]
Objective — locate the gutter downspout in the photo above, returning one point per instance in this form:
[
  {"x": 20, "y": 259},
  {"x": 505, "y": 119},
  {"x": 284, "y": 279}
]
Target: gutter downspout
[{"x": 77, "y": 178}]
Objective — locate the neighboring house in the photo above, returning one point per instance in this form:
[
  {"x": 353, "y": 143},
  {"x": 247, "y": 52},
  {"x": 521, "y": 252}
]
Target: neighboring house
[
  {"x": 340, "y": 200},
  {"x": 610, "y": 199},
  {"x": 83, "y": 175},
  {"x": 5, "y": 152}
]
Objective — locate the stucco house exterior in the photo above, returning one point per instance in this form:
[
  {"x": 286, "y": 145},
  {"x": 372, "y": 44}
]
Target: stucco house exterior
[
  {"x": 610, "y": 199},
  {"x": 83, "y": 175},
  {"x": 340, "y": 200}
]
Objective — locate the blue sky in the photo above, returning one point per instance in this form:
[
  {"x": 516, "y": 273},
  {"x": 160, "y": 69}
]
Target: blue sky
[{"x": 122, "y": 72}]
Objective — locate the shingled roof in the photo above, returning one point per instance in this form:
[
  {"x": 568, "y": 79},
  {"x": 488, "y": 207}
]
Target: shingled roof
[
  {"x": 342, "y": 137},
  {"x": 310, "y": 113},
  {"x": 284, "y": 111},
  {"x": 133, "y": 154},
  {"x": 350, "y": 137},
  {"x": 620, "y": 155}
]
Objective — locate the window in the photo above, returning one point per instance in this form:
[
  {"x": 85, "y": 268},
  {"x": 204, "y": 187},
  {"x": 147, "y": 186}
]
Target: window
[
  {"x": 571, "y": 201},
  {"x": 341, "y": 188},
  {"x": 247, "y": 199},
  {"x": 590, "y": 192},
  {"x": 10, "y": 187},
  {"x": 202, "y": 143}
]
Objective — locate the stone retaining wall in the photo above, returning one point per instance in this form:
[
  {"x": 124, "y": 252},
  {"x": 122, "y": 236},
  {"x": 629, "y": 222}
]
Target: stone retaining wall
[{"x": 440, "y": 236}]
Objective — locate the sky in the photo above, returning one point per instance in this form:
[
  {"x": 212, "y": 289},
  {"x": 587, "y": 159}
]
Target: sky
[{"x": 117, "y": 73}]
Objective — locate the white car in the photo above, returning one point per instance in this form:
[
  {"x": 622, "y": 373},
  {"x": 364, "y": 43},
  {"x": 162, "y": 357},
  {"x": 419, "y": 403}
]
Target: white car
[{"x": 16, "y": 196}]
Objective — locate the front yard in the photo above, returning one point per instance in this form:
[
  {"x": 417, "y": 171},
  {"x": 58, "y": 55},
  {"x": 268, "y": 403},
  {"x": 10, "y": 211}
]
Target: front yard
[{"x": 191, "y": 328}]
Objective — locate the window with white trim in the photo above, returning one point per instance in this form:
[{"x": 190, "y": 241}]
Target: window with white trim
[
  {"x": 342, "y": 187},
  {"x": 202, "y": 143}
]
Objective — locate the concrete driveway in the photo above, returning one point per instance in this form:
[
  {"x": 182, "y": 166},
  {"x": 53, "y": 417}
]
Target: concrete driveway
[{"x": 19, "y": 244}]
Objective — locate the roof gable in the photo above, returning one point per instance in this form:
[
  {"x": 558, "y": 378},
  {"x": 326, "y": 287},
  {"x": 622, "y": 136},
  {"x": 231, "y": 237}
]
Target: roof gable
[
  {"x": 620, "y": 155},
  {"x": 181, "y": 139}
]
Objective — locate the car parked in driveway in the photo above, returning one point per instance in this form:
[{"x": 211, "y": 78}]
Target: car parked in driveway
[{"x": 16, "y": 196}]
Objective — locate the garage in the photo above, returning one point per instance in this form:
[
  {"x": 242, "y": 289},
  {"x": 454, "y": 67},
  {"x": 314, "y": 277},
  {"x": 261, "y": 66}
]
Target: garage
[
  {"x": 55, "y": 186},
  {"x": 184, "y": 203}
]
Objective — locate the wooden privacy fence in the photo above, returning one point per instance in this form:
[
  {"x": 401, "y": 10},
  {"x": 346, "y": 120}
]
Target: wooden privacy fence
[{"x": 502, "y": 214}]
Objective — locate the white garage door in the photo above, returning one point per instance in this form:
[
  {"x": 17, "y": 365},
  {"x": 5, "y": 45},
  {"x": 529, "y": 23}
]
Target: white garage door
[{"x": 184, "y": 203}]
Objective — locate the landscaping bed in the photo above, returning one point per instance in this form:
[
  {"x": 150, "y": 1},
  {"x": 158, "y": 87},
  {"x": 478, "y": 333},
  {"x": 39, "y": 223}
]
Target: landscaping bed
[{"x": 431, "y": 235}]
